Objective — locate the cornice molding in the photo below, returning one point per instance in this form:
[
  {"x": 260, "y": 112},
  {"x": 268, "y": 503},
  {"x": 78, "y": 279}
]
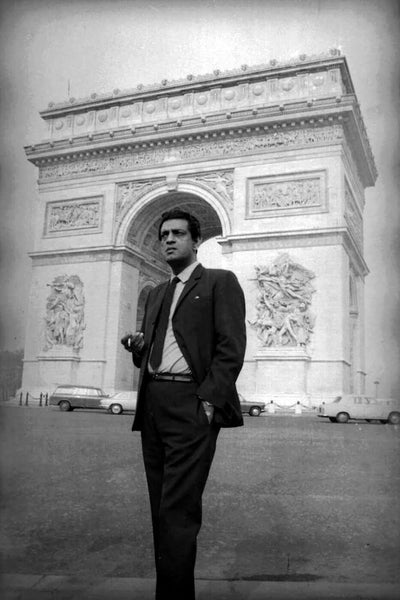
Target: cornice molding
[
  {"x": 245, "y": 74},
  {"x": 95, "y": 254},
  {"x": 164, "y": 140}
]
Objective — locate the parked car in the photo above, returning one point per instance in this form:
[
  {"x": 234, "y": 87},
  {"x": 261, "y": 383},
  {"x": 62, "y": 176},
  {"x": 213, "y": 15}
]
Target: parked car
[
  {"x": 253, "y": 408},
  {"x": 120, "y": 402},
  {"x": 68, "y": 397},
  {"x": 353, "y": 406}
]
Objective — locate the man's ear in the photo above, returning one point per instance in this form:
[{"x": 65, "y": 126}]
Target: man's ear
[{"x": 196, "y": 244}]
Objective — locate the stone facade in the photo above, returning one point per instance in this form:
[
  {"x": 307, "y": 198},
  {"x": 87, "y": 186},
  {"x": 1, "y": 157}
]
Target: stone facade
[{"x": 273, "y": 160}]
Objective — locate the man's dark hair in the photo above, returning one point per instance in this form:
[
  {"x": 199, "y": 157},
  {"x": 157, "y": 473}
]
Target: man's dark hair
[{"x": 177, "y": 213}]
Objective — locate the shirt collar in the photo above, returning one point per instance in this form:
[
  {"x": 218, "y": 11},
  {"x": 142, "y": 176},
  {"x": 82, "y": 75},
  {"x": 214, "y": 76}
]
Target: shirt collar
[{"x": 184, "y": 275}]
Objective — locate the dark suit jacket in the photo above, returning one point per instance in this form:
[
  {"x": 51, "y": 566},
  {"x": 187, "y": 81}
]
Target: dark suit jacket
[{"x": 209, "y": 327}]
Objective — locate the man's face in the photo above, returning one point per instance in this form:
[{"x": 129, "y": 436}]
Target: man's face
[{"x": 177, "y": 246}]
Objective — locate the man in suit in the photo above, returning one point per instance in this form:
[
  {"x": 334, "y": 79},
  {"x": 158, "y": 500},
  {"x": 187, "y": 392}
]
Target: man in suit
[{"x": 190, "y": 351}]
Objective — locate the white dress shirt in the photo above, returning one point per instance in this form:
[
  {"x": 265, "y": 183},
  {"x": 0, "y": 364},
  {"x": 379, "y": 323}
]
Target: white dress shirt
[{"x": 173, "y": 360}]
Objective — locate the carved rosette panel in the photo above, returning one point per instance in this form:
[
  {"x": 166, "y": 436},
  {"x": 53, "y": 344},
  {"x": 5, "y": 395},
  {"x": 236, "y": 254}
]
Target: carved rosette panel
[
  {"x": 277, "y": 195},
  {"x": 283, "y": 316},
  {"x": 69, "y": 217},
  {"x": 65, "y": 316},
  {"x": 353, "y": 216},
  {"x": 186, "y": 151},
  {"x": 149, "y": 106},
  {"x": 220, "y": 182}
]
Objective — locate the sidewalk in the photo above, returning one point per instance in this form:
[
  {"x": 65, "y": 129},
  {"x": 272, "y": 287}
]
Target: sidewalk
[{"x": 53, "y": 587}]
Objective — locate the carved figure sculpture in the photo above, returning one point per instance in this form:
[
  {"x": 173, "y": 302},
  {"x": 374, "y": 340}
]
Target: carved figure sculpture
[
  {"x": 64, "y": 319},
  {"x": 285, "y": 294}
]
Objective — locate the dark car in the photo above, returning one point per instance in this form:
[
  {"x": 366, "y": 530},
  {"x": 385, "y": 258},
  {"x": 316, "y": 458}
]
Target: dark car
[
  {"x": 253, "y": 408},
  {"x": 68, "y": 397}
]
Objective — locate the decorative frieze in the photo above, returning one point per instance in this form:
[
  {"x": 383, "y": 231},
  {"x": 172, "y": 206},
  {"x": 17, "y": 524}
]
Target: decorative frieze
[
  {"x": 70, "y": 217},
  {"x": 286, "y": 194},
  {"x": 219, "y": 147},
  {"x": 283, "y": 305},
  {"x": 353, "y": 216},
  {"x": 64, "y": 321}
]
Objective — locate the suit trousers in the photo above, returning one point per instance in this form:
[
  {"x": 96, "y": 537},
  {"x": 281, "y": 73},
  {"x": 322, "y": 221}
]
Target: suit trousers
[{"x": 178, "y": 446}]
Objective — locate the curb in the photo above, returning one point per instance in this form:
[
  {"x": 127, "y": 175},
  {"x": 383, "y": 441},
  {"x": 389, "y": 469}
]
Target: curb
[{"x": 65, "y": 587}]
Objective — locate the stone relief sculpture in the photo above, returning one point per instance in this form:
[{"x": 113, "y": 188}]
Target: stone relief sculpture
[
  {"x": 128, "y": 193},
  {"x": 73, "y": 215},
  {"x": 220, "y": 181},
  {"x": 283, "y": 304},
  {"x": 286, "y": 194},
  {"x": 242, "y": 144},
  {"x": 65, "y": 313}
]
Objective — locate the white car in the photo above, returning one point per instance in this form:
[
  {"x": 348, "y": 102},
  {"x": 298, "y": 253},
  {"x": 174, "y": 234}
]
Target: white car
[
  {"x": 120, "y": 402},
  {"x": 356, "y": 406}
]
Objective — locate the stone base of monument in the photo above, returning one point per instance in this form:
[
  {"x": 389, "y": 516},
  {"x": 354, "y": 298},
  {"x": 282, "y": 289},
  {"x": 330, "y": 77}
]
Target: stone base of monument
[
  {"x": 281, "y": 377},
  {"x": 59, "y": 365}
]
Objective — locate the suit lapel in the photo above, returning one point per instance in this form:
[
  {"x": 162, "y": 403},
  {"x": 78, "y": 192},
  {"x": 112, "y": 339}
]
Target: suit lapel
[
  {"x": 193, "y": 281},
  {"x": 155, "y": 308}
]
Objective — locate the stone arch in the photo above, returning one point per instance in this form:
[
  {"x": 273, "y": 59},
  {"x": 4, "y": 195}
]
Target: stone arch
[{"x": 193, "y": 196}]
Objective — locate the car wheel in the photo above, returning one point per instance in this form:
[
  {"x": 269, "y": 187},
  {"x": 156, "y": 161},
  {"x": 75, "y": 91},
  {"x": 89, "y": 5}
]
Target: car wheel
[
  {"x": 332, "y": 419},
  {"x": 394, "y": 418},
  {"x": 255, "y": 411},
  {"x": 342, "y": 417},
  {"x": 65, "y": 406},
  {"x": 116, "y": 409}
]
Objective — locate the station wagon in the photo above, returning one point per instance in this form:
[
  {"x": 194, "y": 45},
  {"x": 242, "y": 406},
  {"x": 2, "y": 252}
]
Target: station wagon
[{"x": 353, "y": 406}]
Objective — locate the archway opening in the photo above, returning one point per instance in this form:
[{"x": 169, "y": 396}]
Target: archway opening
[
  {"x": 142, "y": 236},
  {"x": 142, "y": 239}
]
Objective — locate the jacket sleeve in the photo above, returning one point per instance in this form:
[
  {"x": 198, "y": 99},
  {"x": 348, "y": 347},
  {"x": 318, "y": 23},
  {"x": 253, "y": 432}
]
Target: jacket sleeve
[
  {"x": 230, "y": 340},
  {"x": 137, "y": 356}
]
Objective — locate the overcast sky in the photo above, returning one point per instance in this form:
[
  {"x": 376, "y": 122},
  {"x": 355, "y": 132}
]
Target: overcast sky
[{"x": 52, "y": 49}]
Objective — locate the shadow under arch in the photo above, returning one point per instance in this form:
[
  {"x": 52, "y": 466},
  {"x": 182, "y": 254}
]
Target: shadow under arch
[{"x": 139, "y": 223}]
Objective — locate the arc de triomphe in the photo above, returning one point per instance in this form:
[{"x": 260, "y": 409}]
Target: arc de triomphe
[{"x": 274, "y": 161}]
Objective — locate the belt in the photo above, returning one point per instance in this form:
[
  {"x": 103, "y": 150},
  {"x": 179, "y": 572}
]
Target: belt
[{"x": 181, "y": 378}]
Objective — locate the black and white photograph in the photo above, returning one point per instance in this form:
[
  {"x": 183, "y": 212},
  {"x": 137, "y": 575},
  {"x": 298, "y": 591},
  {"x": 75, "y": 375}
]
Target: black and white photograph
[{"x": 200, "y": 299}]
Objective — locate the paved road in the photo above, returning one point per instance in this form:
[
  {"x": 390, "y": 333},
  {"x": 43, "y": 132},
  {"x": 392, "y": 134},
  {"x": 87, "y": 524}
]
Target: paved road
[{"x": 289, "y": 499}]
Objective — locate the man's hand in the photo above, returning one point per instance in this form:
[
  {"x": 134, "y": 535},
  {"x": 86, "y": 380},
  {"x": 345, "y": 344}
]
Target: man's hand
[
  {"x": 133, "y": 342},
  {"x": 209, "y": 410}
]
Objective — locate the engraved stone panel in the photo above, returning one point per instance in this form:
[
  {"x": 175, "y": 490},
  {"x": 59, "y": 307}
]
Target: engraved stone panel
[
  {"x": 64, "y": 321},
  {"x": 128, "y": 193},
  {"x": 69, "y": 217},
  {"x": 283, "y": 305},
  {"x": 286, "y": 194},
  {"x": 220, "y": 181}
]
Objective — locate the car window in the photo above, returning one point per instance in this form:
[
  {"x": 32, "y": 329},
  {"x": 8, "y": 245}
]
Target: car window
[{"x": 63, "y": 391}]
